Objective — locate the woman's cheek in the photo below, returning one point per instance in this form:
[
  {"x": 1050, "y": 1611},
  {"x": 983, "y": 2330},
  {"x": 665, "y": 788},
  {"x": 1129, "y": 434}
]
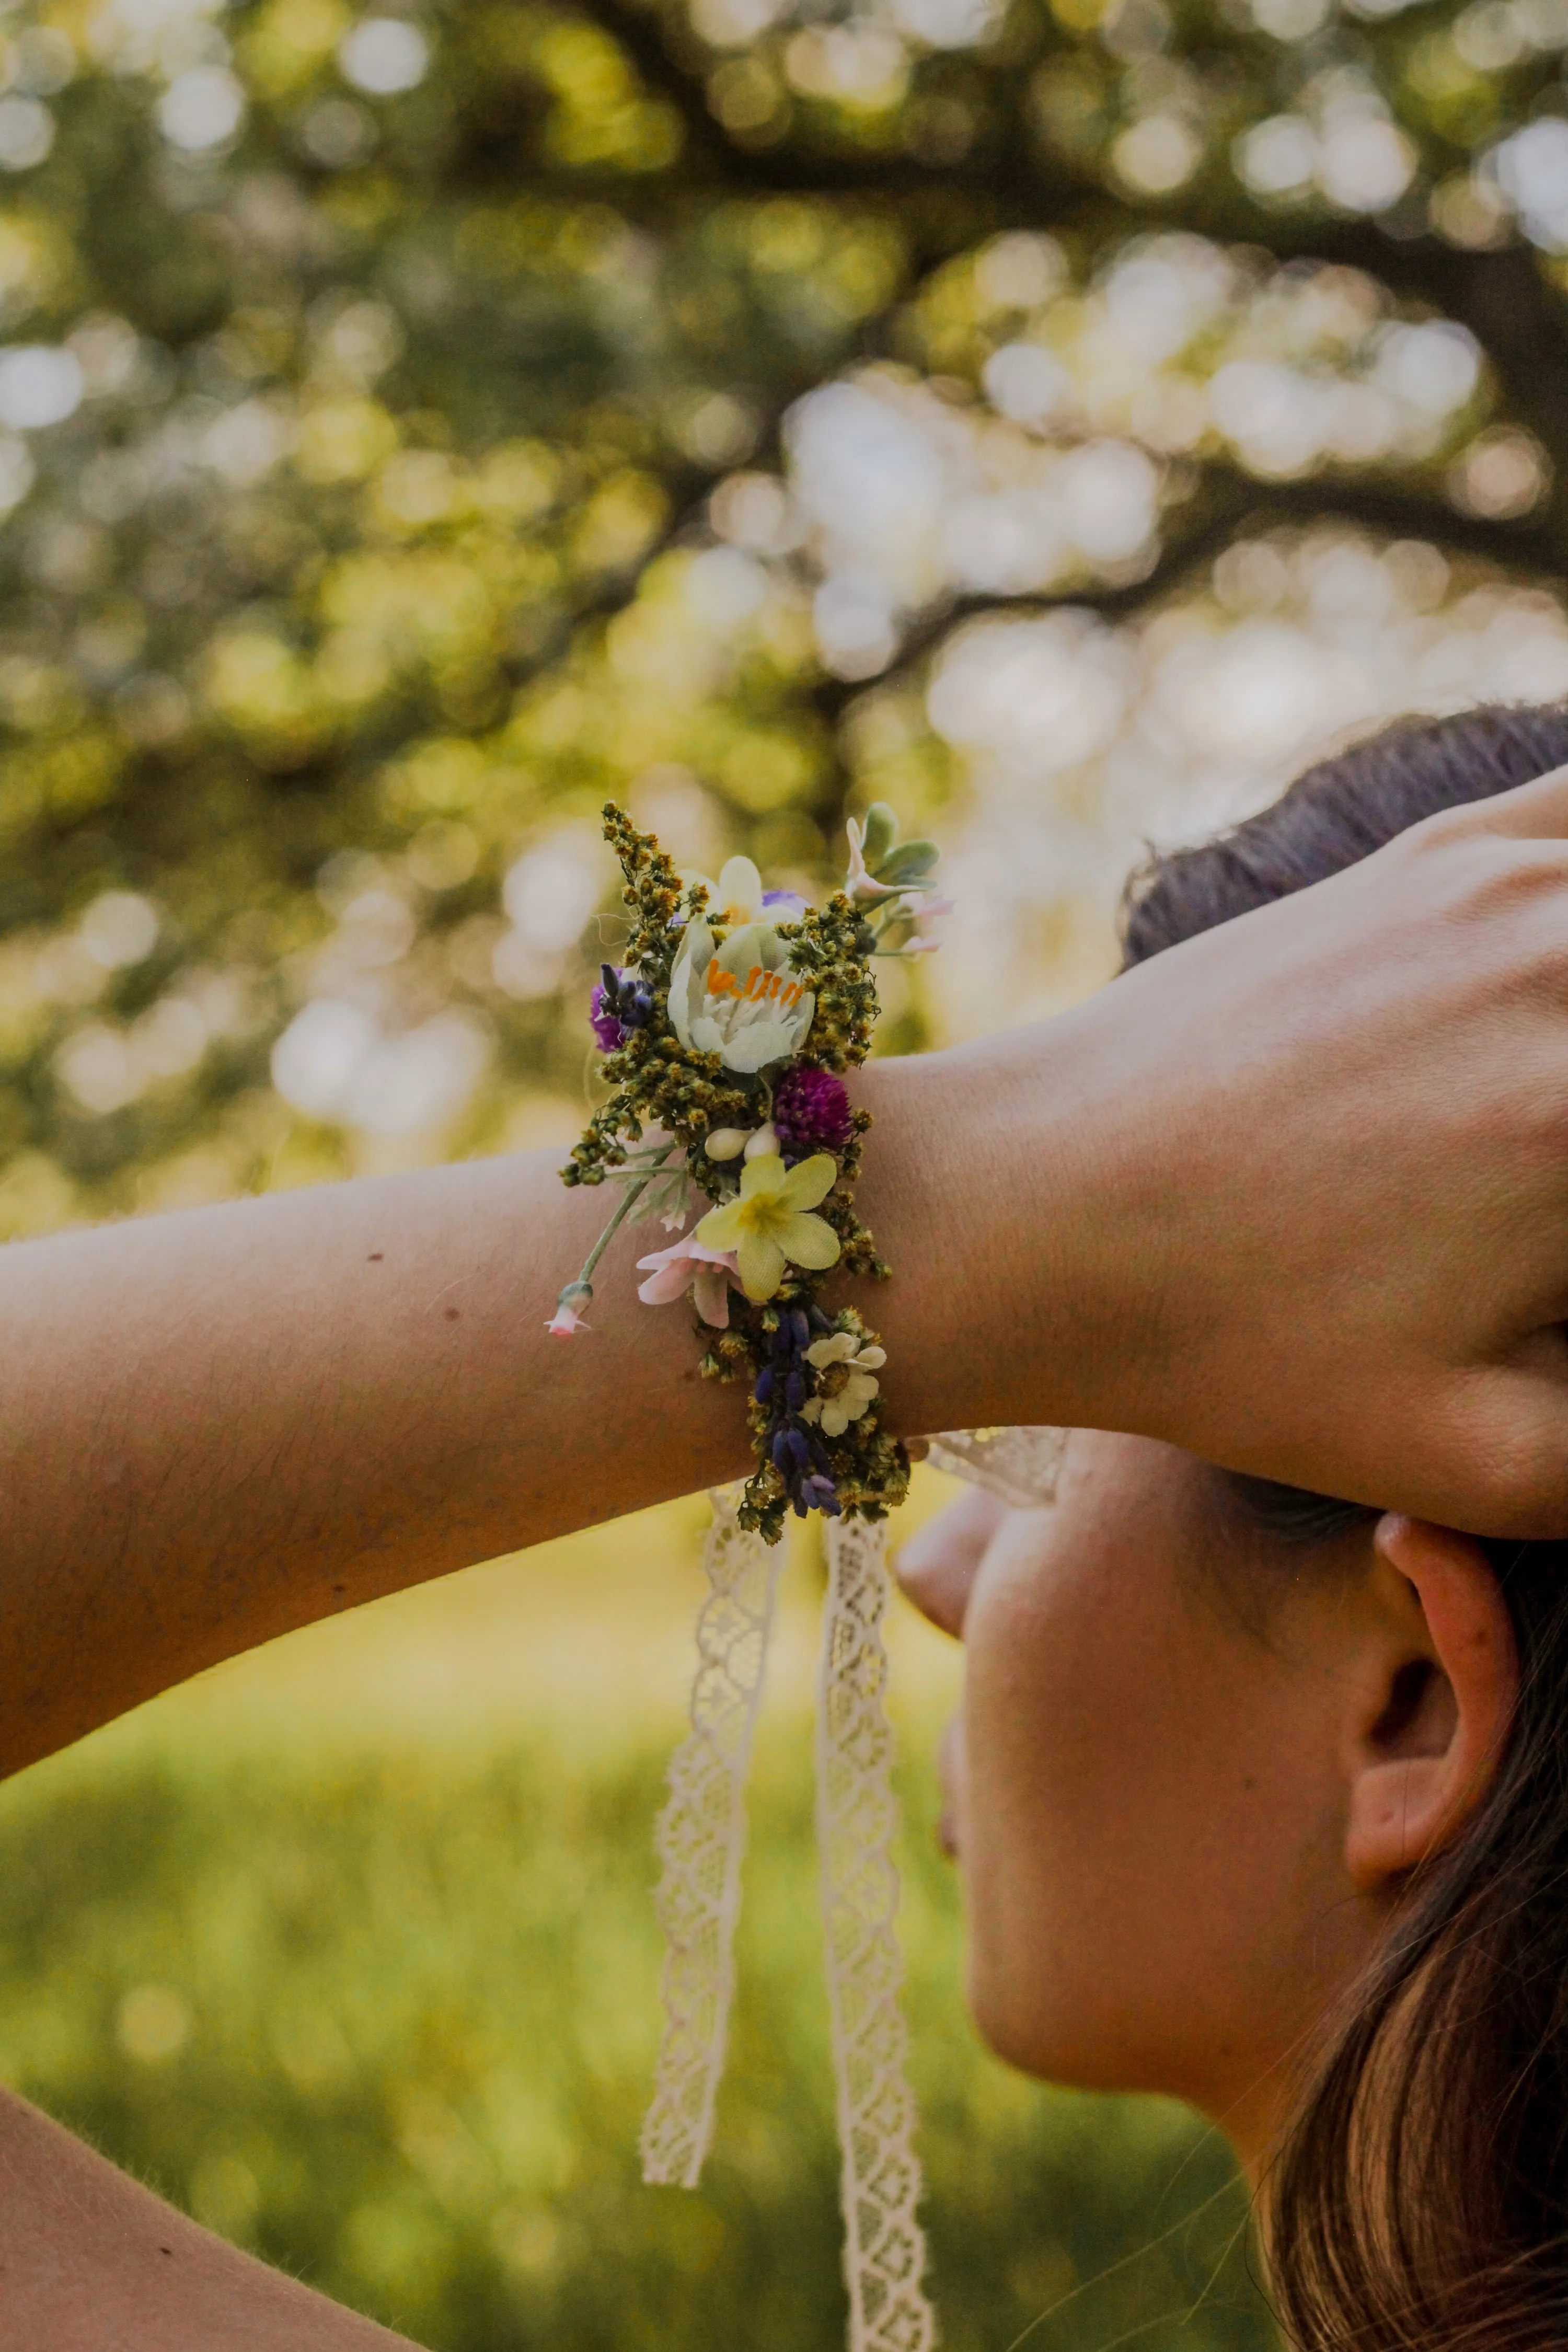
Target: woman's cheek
[
  {"x": 1019, "y": 1636},
  {"x": 1067, "y": 1736},
  {"x": 1006, "y": 1779}
]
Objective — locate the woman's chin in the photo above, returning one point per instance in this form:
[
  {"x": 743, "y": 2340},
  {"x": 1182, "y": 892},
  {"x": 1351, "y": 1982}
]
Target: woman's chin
[{"x": 1004, "y": 2021}]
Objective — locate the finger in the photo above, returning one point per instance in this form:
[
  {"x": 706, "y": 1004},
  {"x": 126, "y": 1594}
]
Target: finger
[
  {"x": 1501, "y": 1469},
  {"x": 1534, "y": 811}
]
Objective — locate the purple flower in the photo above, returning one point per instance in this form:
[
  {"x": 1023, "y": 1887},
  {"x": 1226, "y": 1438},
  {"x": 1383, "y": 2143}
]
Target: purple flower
[
  {"x": 620, "y": 1004},
  {"x": 811, "y": 1113},
  {"x": 607, "y": 1029},
  {"x": 787, "y": 906},
  {"x": 794, "y": 1443}
]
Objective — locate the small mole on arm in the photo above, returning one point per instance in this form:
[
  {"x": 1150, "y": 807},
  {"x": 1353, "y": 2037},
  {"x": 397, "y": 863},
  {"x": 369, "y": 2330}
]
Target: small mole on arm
[
  {"x": 375, "y": 1257},
  {"x": 165, "y": 2249},
  {"x": 454, "y": 1314}
]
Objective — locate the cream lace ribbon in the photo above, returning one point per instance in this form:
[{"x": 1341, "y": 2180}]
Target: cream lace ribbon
[
  {"x": 1019, "y": 1464},
  {"x": 857, "y": 1820},
  {"x": 701, "y": 1842}
]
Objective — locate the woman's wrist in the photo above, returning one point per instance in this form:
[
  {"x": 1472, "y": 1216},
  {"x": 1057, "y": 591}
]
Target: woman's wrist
[{"x": 982, "y": 1186}]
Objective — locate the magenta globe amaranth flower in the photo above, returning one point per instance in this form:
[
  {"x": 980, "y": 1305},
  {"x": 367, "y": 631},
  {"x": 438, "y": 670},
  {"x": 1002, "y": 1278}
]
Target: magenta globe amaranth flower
[{"x": 811, "y": 1113}]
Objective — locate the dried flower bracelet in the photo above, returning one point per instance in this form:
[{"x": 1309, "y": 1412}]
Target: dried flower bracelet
[
  {"x": 725, "y": 1033},
  {"x": 727, "y": 1030}
]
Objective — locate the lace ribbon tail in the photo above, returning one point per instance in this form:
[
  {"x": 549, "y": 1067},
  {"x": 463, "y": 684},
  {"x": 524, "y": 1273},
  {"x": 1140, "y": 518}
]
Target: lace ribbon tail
[
  {"x": 701, "y": 1840},
  {"x": 1020, "y": 1464},
  {"x": 857, "y": 1815}
]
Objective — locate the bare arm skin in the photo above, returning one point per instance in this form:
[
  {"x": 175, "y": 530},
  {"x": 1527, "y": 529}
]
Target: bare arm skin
[
  {"x": 1294, "y": 1196},
  {"x": 91, "y": 2262}
]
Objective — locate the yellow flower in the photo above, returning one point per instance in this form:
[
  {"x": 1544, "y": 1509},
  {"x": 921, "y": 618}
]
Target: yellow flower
[{"x": 767, "y": 1226}]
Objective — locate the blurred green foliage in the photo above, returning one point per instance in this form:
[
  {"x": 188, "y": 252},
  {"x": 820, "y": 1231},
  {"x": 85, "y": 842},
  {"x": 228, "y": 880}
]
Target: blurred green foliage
[
  {"x": 367, "y": 431},
  {"x": 395, "y": 445},
  {"x": 374, "y": 387},
  {"x": 386, "y": 2014}
]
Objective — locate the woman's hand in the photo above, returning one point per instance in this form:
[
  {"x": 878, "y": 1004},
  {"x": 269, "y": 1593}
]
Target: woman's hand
[{"x": 1293, "y": 1194}]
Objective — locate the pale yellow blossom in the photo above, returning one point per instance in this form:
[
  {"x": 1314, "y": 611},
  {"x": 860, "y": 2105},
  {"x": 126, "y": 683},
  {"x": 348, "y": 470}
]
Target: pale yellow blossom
[
  {"x": 858, "y": 1384},
  {"x": 767, "y": 1225}
]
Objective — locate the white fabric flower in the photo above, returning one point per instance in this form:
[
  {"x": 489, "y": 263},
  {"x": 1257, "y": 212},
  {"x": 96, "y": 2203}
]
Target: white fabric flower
[
  {"x": 738, "y": 896},
  {"x": 859, "y": 1366},
  {"x": 739, "y": 1001}
]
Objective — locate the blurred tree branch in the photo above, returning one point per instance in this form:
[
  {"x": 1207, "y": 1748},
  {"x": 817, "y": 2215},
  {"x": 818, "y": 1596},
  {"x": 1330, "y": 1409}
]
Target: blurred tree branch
[
  {"x": 340, "y": 447},
  {"x": 1228, "y": 508}
]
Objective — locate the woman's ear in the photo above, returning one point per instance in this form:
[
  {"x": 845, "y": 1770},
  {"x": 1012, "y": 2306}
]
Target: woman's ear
[{"x": 1436, "y": 1707}]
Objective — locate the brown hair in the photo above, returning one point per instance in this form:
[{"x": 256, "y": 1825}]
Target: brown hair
[{"x": 1418, "y": 2201}]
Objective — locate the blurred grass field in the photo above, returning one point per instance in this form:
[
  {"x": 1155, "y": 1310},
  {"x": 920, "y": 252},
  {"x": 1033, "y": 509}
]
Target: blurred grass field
[{"x": 349, "y": 1949}]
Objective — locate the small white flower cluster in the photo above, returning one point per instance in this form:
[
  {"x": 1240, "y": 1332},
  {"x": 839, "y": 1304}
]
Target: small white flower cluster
[{"x": 852, "y": 1391}]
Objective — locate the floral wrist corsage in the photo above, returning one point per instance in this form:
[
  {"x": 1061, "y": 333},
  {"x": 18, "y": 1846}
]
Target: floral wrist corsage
[{"x": 725, "y": 1033}]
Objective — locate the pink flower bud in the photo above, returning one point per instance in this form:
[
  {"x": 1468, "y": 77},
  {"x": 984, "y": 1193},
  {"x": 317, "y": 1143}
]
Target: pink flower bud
[{"x": 568, "y": 1316}]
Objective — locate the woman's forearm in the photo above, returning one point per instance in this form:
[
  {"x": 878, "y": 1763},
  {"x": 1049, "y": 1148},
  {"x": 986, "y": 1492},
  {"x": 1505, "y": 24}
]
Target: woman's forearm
[
  {"x": 222, "y": 1423},
  {"x": 1294, "y": 1196},
  {"x": 226, "y": 1422}
]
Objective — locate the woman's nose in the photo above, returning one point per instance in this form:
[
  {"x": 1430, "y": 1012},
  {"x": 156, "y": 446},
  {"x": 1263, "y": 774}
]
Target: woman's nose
[{"x": 937, "y": 1567}]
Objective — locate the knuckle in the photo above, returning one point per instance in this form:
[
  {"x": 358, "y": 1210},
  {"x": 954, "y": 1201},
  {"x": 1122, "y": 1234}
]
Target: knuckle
[
  {"x": 1487, "y": 880},
  {"x": 1442, "y": 829}
]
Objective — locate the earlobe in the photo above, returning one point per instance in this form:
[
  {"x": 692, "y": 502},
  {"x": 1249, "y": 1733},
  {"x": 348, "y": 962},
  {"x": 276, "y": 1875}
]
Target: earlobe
[{"x": 1445, "y": 1686}]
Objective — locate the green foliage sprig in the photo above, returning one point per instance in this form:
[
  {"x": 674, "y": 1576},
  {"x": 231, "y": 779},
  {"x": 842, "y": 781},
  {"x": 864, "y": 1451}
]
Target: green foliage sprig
[{"x": 657, "y": 1081}]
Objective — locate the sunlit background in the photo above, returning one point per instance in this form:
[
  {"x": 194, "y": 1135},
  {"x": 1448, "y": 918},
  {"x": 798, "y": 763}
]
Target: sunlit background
[{"x": 416, "y": 426}]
